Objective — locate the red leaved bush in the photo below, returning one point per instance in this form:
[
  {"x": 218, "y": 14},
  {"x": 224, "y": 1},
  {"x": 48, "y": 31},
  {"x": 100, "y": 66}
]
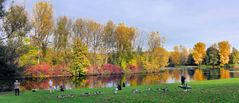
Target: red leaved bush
[
  {"x": 133, "y": 68},
  {"x": 44, "y": 69},
  {"x": 105, "y": 69},
  {"x": 112, "y": 69},
  {"x": 60, "y": 69},
  {"x": 38, "y": 70},
  {"x": 91, "y": 70}
]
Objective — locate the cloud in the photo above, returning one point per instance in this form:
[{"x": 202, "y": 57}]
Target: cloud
[{"x": 183, "y": 22}]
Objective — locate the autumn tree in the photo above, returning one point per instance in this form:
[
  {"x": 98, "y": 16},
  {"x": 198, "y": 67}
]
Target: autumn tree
[
  {"x": 175, "y": 56},
  {"x": 199, "y": 52},
  {"x": 224, "y": 52},
  {"x": 61, "y": 36},
  {"x": 155, "y": 40},
  {"x": 79, "y": 58},
  {"x": 212, "y": 56},
  {"x": 184, "y": 53},
  {"x": 159, "y": 57},
  {"x": 95, "y": 30},
  {"x": 124, "y": 37},
  {"x": 79, "y": 29},
  {"x": 234, "y": 57},
  {"x": 43, "y": 24},
  {"x": 109, "y": 39}
]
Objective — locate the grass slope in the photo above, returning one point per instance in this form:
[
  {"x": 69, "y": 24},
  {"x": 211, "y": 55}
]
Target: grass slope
[{"x": 211, "y": 91}]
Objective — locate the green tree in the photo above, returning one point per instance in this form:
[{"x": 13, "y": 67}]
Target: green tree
[
  {"x": 29, "y": 57},
  {"x": 212, "y": 56},
  {"x": 15, "y": 26},
  {"x": 2, "y": 11},
  {"x": 190, "y": 60},
  {"x": 79, "y": 58},
  {"x": 2, "y": 14},
  {"x": 234, "y": 56}
]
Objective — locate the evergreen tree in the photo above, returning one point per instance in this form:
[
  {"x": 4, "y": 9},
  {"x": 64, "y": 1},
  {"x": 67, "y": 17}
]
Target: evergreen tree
[{"x": 79, "y": 58}]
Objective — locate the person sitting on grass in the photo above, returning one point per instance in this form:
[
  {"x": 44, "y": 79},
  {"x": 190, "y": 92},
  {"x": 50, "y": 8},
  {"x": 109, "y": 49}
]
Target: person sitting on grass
[
  {"x": 16, "y": 87},
  {"x": 61, "y": 88},
  {"x": 119, "y": 87}
]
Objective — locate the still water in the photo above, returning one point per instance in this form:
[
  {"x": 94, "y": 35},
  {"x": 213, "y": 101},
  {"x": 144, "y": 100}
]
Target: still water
[{"x": 170, "y": 75}]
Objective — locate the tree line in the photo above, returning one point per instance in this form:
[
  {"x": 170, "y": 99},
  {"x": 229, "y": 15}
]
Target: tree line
[
  {"x": 219, "y": 54},
  {"x": 40, "y": 45}
]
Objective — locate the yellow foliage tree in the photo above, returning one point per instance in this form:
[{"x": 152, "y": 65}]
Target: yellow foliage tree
[
  {"x": 159, "y": 58},
  {"x": 199, "y": 52},
  {"x": 224, "y": 52},
  {"x": 124, "y": 37},
  {"x": 175, "y": 55},
  {"x": 43, "y": 23}
]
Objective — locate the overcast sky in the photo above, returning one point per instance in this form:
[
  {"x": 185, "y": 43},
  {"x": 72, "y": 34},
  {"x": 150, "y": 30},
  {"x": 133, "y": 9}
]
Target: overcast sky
[{"x": 183, "y": 22}]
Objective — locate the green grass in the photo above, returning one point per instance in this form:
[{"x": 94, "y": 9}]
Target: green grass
[{"x": 211, "y": 91}]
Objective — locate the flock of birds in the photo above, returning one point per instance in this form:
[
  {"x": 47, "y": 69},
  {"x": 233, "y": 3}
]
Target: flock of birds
[{"x": 133, "y": 91}]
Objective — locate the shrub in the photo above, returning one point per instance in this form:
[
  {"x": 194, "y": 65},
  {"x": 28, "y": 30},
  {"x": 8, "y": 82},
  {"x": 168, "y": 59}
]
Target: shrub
[{"x": 44, "y": 69}]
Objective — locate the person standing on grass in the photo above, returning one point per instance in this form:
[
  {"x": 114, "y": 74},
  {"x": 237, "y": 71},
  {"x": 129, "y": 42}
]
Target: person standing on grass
[
  {"x": 16, "y": 87},
  {"x": 51, "y": 86},
  {"x": 183, "y": 80}
]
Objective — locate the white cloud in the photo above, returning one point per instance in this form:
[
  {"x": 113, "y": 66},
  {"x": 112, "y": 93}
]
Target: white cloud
[{"x": 180, "y": 21}]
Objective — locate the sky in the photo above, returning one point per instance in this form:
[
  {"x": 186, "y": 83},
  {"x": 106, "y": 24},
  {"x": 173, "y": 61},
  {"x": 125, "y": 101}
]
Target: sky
[{"x": 184, "y": 22}]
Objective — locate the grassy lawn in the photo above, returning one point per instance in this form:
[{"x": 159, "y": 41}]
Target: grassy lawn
[{"x": 212, "y": 91}]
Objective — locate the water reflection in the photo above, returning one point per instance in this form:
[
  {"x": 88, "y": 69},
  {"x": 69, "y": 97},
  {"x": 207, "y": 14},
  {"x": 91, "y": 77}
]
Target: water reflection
[
  {"x": 168, "y": 76},
  {"x": 224, "y": 73},
  {"x": 198, "y": 75}
]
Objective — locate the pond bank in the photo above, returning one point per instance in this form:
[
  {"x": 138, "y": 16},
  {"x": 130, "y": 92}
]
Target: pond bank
[{"x": 223, "y": 91}]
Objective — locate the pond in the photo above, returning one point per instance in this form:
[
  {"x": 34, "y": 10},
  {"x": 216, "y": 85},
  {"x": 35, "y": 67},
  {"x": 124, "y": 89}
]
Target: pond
[{"x": 170, "y": 75}]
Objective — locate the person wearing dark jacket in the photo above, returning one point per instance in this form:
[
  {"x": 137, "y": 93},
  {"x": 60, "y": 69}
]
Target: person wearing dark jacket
[{"x": 183, "y": 80}]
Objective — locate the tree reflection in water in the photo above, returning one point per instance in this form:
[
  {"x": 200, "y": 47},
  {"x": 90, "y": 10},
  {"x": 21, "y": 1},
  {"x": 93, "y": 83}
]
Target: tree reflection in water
[
  {"x": 167, "y": 76},
  {"x": 198, "y": 75},
  {"x": 224, "y": 73}
]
